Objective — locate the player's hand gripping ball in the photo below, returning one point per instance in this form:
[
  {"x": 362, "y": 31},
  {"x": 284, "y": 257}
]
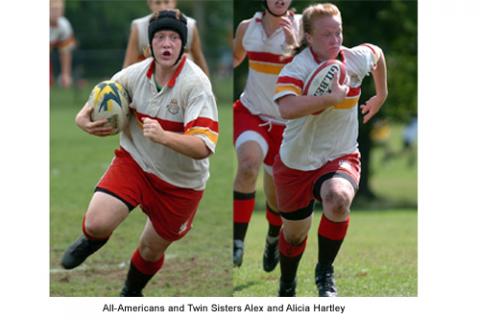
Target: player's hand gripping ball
[{"x": 110, "y": 101}]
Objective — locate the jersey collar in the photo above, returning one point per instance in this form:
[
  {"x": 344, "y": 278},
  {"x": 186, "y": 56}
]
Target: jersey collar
[{"x": 174, "y": 77}]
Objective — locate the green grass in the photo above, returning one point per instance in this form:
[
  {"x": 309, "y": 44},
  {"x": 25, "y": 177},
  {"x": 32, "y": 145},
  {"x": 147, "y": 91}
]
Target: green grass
[
  {"x": 378, "y": 258},
  {"x": 77, "y": 161},
  {"x": 379, "y": 254}
]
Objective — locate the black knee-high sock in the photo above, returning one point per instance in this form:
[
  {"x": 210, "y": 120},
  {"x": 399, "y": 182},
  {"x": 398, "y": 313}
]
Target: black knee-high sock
[
  {"x": 330, "y": 239},
  {"x": 274, "y": 222},
  {"x": 290, "y": 257},
  {"x": 141, "y": 271},
  {"x": 243, "y": 207}
]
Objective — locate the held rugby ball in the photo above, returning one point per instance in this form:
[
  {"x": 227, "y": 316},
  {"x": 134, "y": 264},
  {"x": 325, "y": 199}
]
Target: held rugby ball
[
  {"x": 319, "y": 82},
  {"x": 110, "y": 101}
]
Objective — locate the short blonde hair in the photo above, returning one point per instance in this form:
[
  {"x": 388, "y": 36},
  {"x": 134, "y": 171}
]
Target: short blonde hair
[{"x": 316, "y": 11}]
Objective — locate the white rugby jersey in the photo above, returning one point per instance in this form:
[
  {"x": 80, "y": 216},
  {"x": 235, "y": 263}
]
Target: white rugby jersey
[
  {"x": 186, "y": 105},
  {"x": 142, "y": 28},
  {"x": 309, "y": 142},
  {"x": 266, "y": 57},
  {"x": 61, "y": 35}
]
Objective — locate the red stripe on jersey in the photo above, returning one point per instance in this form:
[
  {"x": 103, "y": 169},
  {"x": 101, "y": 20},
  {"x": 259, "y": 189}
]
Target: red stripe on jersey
[
  {"x": 173, "y": 79},
  {"x": 204, "y": 123},
  {"x": 352, "y": 92},
  {"x": 295, "y": 81},
  {"x": 369, "y": 46},
  {"x": 268, "y": 57},
  {"x": 150, "y": 70},
  {"x": 166, "y": 124}
]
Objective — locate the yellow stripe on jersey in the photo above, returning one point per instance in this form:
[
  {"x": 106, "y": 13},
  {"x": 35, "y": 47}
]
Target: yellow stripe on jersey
[
  {"x": 270, "y": 68},
  {"x": 348, "y": 103},
  {"x": 288, "y": 87},
  {"x": 212, "y": 136}
]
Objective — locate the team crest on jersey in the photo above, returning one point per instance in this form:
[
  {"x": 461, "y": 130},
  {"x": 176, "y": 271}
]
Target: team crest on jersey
[{"x": 173, "y": 107}]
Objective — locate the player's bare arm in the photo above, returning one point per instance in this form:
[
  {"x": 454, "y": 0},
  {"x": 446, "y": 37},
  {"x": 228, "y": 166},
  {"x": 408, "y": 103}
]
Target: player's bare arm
[
  {"x": 132, "y": 53},
  {"x": 197, "y": 53},
  {"x": 190, "y": 146},
  {"x": 238, "y": 50},
  {"x": 371, "y": 107},
  {"x": 66, "y": 63},
  {"x": 99, "y": 128},
  {"x": 292, "y": 107}
]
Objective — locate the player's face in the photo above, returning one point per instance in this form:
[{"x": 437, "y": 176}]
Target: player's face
[
  {"x": 158, "y": 5},
  {"x": 166, "y": 47},
  {"x": 278, "y": 7},
  {"x": 56, "y": 11},
  {"x": 326, "y": 37}
]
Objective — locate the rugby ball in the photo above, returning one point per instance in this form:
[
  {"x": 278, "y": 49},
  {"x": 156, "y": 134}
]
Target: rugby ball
[
  {"x": 319, "y": 82},
  {"x": 110, "y": 101}
]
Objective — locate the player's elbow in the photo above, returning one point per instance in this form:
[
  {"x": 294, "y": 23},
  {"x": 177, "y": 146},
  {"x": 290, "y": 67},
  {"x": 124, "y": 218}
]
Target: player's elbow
[
  {"x": 285, "y": 109},
  {"x": 202, "y": 155}
]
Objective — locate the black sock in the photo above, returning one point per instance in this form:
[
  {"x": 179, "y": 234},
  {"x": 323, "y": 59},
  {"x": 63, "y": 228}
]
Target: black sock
[
  {"x": 274, "y": 221},
  {"x": 328, "y": 250},
  {"x": 136, "y": 280},
  {"x": 239, "y": 231},
  {"x": 290, "y": 256}
]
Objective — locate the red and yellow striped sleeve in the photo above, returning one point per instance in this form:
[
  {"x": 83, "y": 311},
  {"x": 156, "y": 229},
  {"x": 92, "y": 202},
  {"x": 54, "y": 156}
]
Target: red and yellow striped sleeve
[
  {"x": 204, "y": 127},
  {"x": 288, "y": 85}
]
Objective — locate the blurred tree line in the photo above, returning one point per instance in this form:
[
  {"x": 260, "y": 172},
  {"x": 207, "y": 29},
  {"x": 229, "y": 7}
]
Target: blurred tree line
[
  {"x": 102, "y": 29},
  {"x": 392, "y": 25}
]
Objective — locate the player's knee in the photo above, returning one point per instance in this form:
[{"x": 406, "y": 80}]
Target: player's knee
[
  {"x": 248, "y": 168},
  {"x": 296, "y": 238},
  {"x": 337, "y": 201},
  {"x": 96, "y": 228}
]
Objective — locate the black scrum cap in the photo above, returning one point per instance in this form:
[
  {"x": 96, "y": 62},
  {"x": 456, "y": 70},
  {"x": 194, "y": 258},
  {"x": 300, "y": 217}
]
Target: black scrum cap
[{"x": 172, "y": 20}]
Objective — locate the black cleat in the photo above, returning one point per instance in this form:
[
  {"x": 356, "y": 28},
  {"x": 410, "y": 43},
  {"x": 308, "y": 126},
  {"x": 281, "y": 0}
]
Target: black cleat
[
  {"x": 287, "y": 289},
  {"x": 129, "y": 293},
  {"x": 271, "y": 256},
  {"x": 325, "y": 281},
  {"x": 237, "y": 253},
  {"x": 79, "y": 251}
]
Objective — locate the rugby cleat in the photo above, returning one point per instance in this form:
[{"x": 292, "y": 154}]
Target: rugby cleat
[
  {"x": 79, "y": 251},
  {"x": 237, "y": 252},
  {"x": 325, "y": 281},
  {"x": 271, "y": 256}
]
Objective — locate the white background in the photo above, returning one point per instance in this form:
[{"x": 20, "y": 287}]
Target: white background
[{"x": 449, "y": 134}]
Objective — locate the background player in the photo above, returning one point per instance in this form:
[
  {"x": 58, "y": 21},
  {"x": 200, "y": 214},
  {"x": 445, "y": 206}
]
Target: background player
[
  {"x": 138, "y": 47},
  {"x": 61, "y": 38},
  {"x": 267, "y": 39}
]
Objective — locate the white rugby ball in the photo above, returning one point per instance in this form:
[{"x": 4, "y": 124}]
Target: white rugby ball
[
  {"x": 319, "y": 82},
  {"x": 110, "y": 101}
]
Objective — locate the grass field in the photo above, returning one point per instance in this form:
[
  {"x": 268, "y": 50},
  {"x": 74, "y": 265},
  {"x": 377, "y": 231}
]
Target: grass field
[
  {"x": 379, "y": 254},
  {"x": 77, "y": 161}
]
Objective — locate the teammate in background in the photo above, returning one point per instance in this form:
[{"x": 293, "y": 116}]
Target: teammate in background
[
  {"x": 61, "y": 38},
  {"x": 162, "y": 162},
  {"x": 319, "y": 157},
  {"x": 138, "y": 48},
  {"x": 266, "y": 39}
]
